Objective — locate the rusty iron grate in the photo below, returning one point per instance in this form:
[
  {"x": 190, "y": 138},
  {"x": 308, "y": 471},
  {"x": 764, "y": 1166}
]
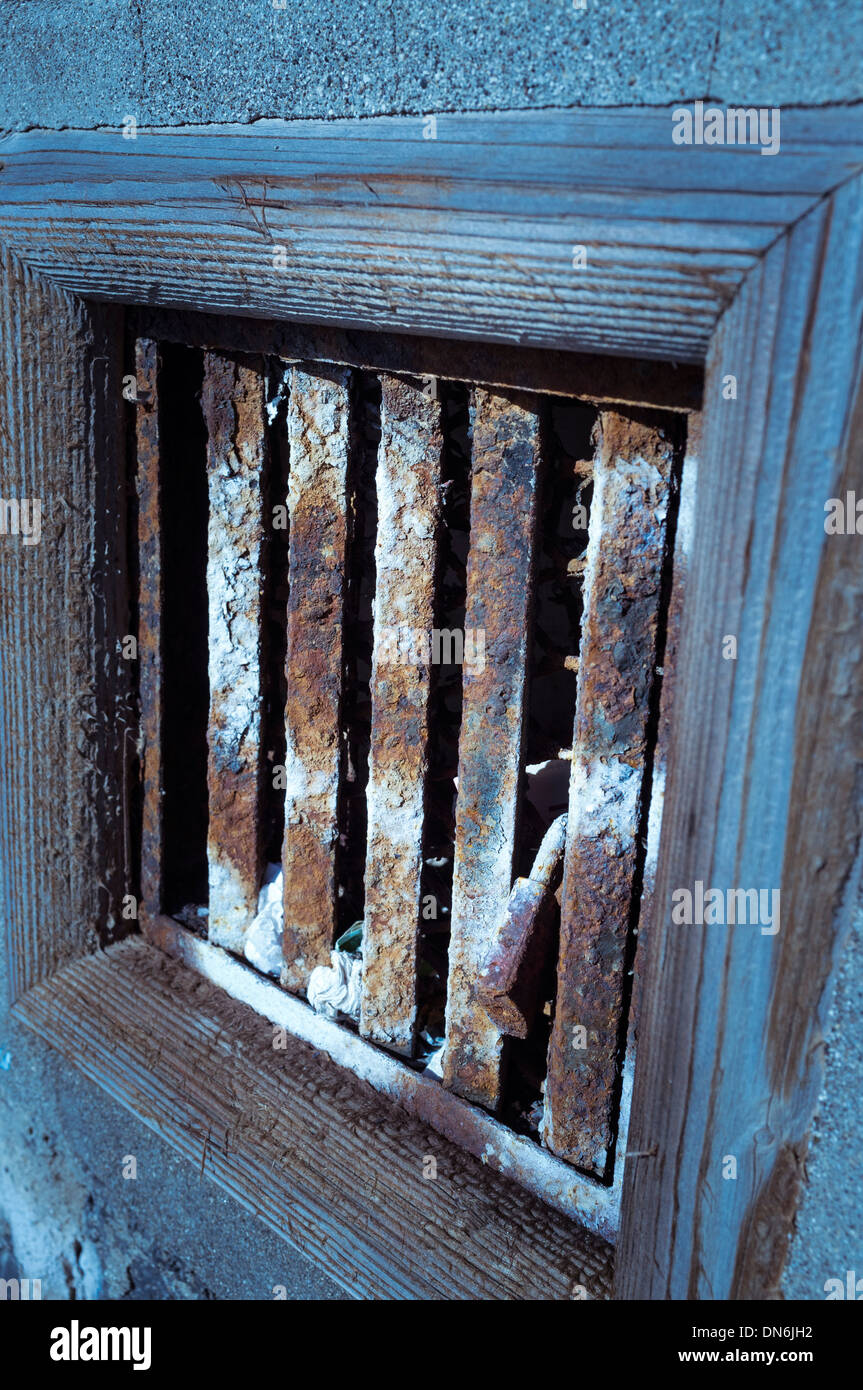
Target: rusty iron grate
[{"x": 402, "y": 636}]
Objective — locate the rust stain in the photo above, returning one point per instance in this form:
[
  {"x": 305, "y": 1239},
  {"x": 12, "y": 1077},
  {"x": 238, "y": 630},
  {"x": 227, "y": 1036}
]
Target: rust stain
[
  {"x": 505, "y": 468},
  {"x": 149, "y": 620},
  {"x": 318, "y": 431},
  {"x": 623, "y": 574},
  {"x": 407, "y": 560},
  {"x": 668, "y": 657},
  {"x": 233, "y": 405},
  {"x": 510, "y": 979}
]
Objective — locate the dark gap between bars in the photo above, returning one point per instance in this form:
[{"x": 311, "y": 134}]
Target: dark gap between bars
[
  {"x": 365, "y": 434},
  {"x": 184, "y": 516},
  {"x": 274, "y": 637},
  {"x": 445, "y": 711}
]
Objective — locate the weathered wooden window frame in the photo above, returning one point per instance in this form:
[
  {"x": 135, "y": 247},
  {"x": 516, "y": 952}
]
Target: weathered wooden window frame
[{"x": 716, "y": 257}]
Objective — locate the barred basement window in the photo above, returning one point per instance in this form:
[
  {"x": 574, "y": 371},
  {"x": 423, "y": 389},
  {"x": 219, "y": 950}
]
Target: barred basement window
[
  {"x": 401, "y": 649},
  {"x": 713, "y": 276}
]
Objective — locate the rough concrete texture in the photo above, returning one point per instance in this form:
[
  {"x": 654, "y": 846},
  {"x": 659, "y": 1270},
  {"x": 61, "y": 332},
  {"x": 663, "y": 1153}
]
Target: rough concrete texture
[
  {"x": 93, "y": 62},
  {"x": 66, "y": 1214},
  {"x": 829, "y": 1239},
  {"x": 70, "y": 1218}
]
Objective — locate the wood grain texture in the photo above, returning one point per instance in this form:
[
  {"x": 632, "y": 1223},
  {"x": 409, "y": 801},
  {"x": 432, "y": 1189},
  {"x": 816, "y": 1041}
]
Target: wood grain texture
[
  {"x": 469, "y": 234},
  {"x": 323, "y": 1159},
  {"x": 763, "y": 784},
  {"x": 68, "y": 740},
  {"x": 472, "y": 1129}
]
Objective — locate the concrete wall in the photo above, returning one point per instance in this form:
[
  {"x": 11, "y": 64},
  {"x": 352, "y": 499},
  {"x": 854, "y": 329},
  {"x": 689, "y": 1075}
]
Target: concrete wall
[
  {"x": 91, "y": 62},
  {"x": 67, "y": 1215}
]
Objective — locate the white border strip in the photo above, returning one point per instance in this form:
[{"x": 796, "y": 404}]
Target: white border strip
[{"x": 592, "y": 1205}]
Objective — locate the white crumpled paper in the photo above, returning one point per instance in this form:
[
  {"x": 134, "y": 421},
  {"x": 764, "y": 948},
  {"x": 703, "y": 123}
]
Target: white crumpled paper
[
  {"x": 434, "y": 1065},
  {"x": 335, "y": 988},
  {"x": 263, "y": 948}
]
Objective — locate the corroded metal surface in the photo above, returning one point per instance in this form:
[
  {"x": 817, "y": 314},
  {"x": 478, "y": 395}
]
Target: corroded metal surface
[
  {"x": 683, "y": 547},
  {"x": 406, "y": 561},
  {"x": 510, "y": 979},
  {"x": 505, "y": 476},
  {"x": 616, "y": 674},
  {"x": 233, "y": 405},
  {"x": 149, "y": 620},
  {"x": 318, "y": 434}
]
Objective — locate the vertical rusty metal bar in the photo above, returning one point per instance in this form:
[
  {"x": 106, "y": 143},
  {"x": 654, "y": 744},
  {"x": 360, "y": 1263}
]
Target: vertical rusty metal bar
[
  {"x": 149, "y": 620},
  {"x": 667, "y": 650},
  {"x": 233, "y": 404},
  {"x": 318, "y": 435},
  {"x": 623, "y": 577},
  {"x": 503, "y": 523},
  {"x": 683, "y": 545},
  {"x": 406, "y": 558}
]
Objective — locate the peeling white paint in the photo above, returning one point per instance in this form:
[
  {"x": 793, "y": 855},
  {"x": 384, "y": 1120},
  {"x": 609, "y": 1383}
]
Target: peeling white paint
[
  {"x": 685, "y": 537},
  {"x": 274, "y": 404},
  {"x": 604, "y": 799},
  {"x": 234, "y": 541},
  {"x": 654, "y": 826},
  {"x": 408, "y": 500},
  {"x": 228, "y": 890},
  {"x": 302, "y": 785}
]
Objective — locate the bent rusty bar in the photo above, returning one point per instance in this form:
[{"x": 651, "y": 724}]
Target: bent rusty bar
[
  {"x": 623, "y": 575},
  {"x": 233, "y": 405},
  {"x": 509, "y": 981},
  {"x": 318, "y": 436},
  {"x": 504, "y": 506},
  {"x": 406, "y": 559}
]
